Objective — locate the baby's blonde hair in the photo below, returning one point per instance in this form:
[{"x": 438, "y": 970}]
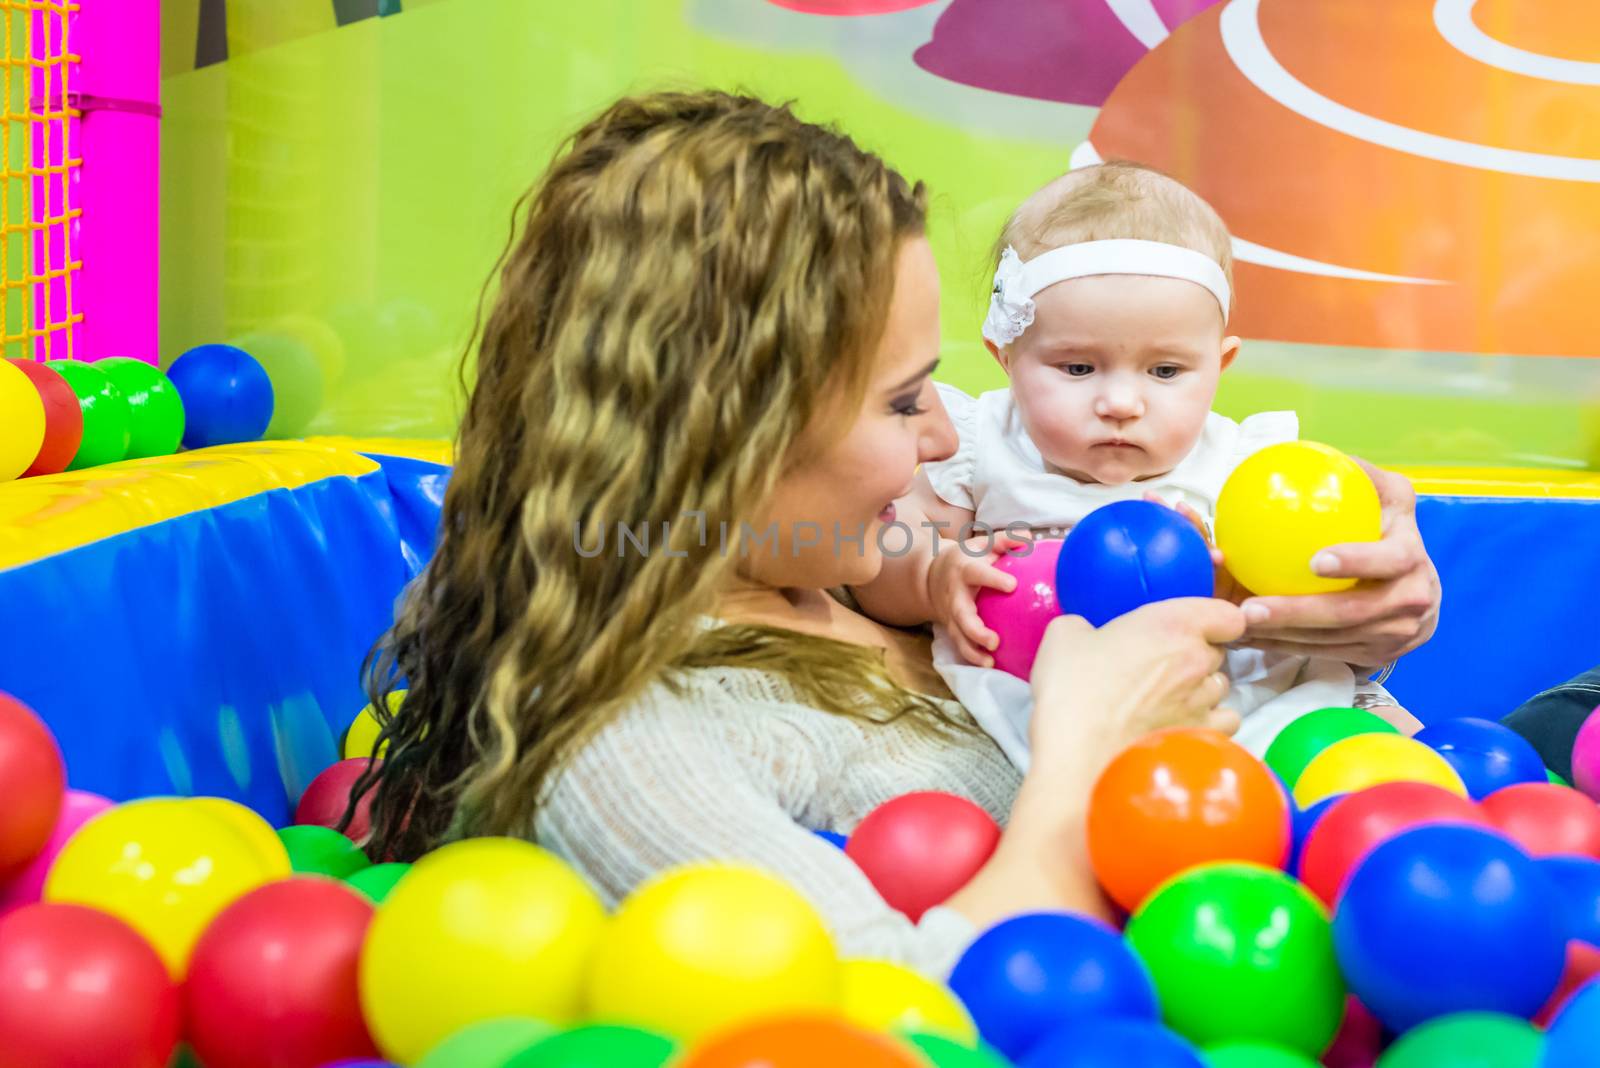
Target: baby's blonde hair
[{"x": 1116, "y": 200}]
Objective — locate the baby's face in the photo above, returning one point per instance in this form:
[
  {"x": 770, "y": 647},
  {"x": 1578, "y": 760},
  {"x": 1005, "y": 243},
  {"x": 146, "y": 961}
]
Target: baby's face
[{"x": 1115, "y": 377}]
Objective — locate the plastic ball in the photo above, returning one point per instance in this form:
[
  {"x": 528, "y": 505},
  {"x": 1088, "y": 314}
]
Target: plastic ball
[
  {"x": 1545, "y": 819},
  {"x": 22, "y": 413},
  {"x": 1112, "y": 1043},
  {"x": 1446, "y": 919},
  {"x": 1486, "y": 755},
  {"x": 1467, "y": 1040},
  {"x": 487, "y": 1044},
  {"x": 227, "y": 396},
  {"x": 273, "y": 979},
  {"x": 248, "y": 824},
  {"x": 107, "y": 422},
  {"x": 1370, "y": 759},
  {"x": 1255, "y": 1055},
  {"x": 1283, "y": 506},
  {"x": 1019, "y": 618},
  {"x": 833, "y": 838},
  {"x": 598, "y": 1046},
  {"x": 478, "y": 929},
  {"x": 801, "y": 1042},
  {"x": 1303, "y": 739},
  {"x": 1128, "y": 554},
  {"x": 296, "y": 376},
  {"x": 165, "y": 866},
  {"x": 1026, "y": 976},
  {"x": 317, "y": 850},
  {"x": 1577, "y": 883},
  {"x": 1178, "y": 798},
  {"x": 881, "y": 995},
  {"x": 1358, "y": 822},
  {"x": 1241, "y": 953},
  {"x": 1586, "y": 756},
  {"x": 328, "y": 797},
  {"x": 363, "y": 731},
  {"x": 377, "y": 882},
  {"x": 702, "y": 947},
  {"x": 919, "y": 848},
  {"x": 1574, "y": 1034},
  {"x": 27, "y": 885},
  {"x": 63, "y": 419},
  {"x": 1583, "y": 964},
  {"x": 35, "y": 782},
  {"x": 1359, "y": 1041},
  {"x": 1304, "y": 821},
  {"x": 155, "y": 411},
  {"x": 943, "y": 1052},
  {"x": 78, "y": 988}
]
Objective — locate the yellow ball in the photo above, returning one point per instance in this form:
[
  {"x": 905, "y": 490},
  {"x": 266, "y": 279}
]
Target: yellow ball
[
  {"x": 364, "y": 730},
  {"x": 264, "y": 841},
  {"x": 164, "y": 865},
  {"x": 1365, "y": 760},
  {"x": 1284, "y": 505},
  {"x": 881, "y": 995},
  {"x": 21, "y": 422},
  {"x": 699, "y": 948},
  {"x": 478, "y": 929}
]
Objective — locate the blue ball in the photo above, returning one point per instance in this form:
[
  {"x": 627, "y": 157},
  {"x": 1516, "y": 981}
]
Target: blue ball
[
  {"x": 227, "y": 396},
  {"x": 831, "y": 836},
  {"x": 1577, "y": 881},
  {"x": 1486, "y": 755},
  {"x": 1112, "y": 1044},
  {"x": 1027, "y": 976},
  {"x": 1304, "y": 822},
  {"x": 1128, "y": 554},
  {"x": 1574, "y": 1034},
  {"x": 1444, "y": 919}
]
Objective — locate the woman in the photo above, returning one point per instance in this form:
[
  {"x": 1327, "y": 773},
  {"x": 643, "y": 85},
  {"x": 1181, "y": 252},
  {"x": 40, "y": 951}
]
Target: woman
[{"x": 717, "y": 321}]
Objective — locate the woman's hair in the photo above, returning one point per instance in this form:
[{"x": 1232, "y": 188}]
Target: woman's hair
[{"x": 696, "y": 281}]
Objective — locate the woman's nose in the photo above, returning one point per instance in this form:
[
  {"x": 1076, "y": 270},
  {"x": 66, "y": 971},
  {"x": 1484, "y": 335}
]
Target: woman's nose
[{"x": 937, "y": 439}]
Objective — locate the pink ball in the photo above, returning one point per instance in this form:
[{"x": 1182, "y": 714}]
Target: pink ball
[
  {"x": 1021, "y": 616},
  {"x": 77, "y": 808},
  {"x": 1586, "y": 756}
]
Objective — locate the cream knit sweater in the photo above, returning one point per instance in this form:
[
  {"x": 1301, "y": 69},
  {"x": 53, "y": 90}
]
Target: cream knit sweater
[{"x": 737, "y": 769}]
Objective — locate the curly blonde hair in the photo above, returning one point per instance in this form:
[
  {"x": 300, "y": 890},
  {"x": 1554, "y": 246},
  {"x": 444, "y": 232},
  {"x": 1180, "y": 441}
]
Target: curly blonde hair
[{"x": 697, "y": 280}]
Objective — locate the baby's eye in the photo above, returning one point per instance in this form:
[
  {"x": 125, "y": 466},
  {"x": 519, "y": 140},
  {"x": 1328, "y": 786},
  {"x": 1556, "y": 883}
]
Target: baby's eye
[
  {"x": 1078, "y": 370},
  {"x": 1166, "y": 371}
]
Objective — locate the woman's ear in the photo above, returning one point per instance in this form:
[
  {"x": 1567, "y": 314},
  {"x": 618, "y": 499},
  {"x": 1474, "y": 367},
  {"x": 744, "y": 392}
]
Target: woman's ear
[{"x": 1230, "y": 349}]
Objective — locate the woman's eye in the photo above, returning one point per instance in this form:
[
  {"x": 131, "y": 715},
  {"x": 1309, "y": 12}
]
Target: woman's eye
[
  {"x": 1078, "y": 370},
  {"x": 907, "y": 406},
  {"x": 1166, "y": 371}
]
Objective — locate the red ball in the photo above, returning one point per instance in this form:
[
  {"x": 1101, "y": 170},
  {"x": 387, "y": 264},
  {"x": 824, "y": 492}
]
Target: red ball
[
  {"x": 63, "y": 419},
  {"x": 273, "y": 980},
  {"x": 1545, "y": 819},
  {"x": 80, "y": 988},
  {"x": 1583, "y": 964},
  {"x": 32, "y": 781},
  {"x": 327, "y": 797},
  {"x": 1356, "y": 824},
  {"x": 920, "y": 848},
  {"x": 1359, "y": 1040}
]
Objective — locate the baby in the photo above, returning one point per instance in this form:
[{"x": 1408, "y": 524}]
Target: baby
[{"x": 1109, "y": 315}]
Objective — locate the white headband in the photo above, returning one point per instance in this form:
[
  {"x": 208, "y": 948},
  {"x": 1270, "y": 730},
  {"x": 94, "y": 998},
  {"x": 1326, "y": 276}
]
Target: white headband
[{"x": 1017, "y": 283}]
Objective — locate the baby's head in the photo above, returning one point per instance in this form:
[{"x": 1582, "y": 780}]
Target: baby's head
[{"x": 1115, "y": 374}]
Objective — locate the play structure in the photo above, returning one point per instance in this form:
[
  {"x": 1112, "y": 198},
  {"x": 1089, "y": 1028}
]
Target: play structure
[{"x": 243, "y": 248}]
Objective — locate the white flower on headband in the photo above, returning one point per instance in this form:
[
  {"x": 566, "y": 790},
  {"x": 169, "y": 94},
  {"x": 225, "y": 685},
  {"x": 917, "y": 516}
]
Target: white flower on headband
[{"x": 1010, "y": 306}]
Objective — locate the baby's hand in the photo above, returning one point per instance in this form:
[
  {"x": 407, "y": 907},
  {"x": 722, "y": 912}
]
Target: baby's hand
[
  {"x": 1227, "y": 588},
  {"x": 956, "y": 575}
]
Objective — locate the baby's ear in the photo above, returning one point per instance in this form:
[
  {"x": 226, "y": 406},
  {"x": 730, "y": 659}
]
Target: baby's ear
[{"x": 1230, "y": 349}]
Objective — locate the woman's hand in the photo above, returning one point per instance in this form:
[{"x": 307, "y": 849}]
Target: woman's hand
[{"x": 1391, "y": 611}]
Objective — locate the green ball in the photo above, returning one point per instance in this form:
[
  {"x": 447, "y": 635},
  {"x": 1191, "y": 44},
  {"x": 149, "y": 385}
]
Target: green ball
[
  {"x": 1557, "y": 779},
  {"x": 598, "y": 1046},
  {"x": 1255, "y": 1055},
  {"x": 1467, "y": 1040},
  {"x": 155, "y": 410},
  {"x": 107, "y": 422},
  {"x": 322, "y": 851},
  {"x": 1241, "y": 953},
  {"x": 1298, "y": 743},
  {"x": 377, "y": 881},
  {"x": 487, "y": 1044},
  {"x": 948, "y": 1053}
]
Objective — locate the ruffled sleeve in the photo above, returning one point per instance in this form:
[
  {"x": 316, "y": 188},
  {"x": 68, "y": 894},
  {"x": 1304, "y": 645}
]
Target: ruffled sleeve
[
  {"x": 1258, "y": 431},
  {"x": 952, "y": 478}
]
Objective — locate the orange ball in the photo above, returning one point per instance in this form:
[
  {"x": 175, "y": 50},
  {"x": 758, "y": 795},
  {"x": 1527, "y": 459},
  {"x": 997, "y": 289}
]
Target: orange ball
[
  {"x": 802, "y": 1042},
  {"x": 1178, "y": 798}
]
